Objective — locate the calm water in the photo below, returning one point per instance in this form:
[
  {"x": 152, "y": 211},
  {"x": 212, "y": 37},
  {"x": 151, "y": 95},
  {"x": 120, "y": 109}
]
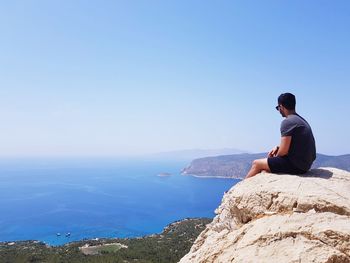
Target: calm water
[{"x": 99, "y": 198}]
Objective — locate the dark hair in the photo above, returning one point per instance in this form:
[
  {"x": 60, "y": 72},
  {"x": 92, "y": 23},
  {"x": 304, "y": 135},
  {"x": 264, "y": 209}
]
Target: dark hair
[{"x": 287, "y": 100}]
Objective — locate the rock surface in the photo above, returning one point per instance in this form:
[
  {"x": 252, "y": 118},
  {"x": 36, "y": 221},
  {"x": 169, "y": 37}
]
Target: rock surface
[{"x": 280, "y": 218}]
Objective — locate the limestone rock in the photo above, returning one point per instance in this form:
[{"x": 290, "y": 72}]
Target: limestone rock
[{"x": 280, "y": 218}]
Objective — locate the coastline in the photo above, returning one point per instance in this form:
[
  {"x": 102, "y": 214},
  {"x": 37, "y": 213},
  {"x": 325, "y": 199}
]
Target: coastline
[
  {"x": 170, "y": 246},
  {"x": 210, "y": 176},
  {"x": 47, "y": 244}
]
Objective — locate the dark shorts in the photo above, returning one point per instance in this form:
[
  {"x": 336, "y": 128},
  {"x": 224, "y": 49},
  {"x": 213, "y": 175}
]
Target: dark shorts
[{"x": 283, "y": 165}]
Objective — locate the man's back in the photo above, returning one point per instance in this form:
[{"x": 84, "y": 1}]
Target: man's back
[{"x": 302, "y": 151}]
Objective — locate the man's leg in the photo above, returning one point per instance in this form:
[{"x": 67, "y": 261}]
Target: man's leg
[{"x": 258, "y": 166}]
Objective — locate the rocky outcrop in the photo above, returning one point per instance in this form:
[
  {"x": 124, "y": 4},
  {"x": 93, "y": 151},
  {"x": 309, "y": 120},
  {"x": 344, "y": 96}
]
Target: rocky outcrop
[{"x": 280, "y": 218}]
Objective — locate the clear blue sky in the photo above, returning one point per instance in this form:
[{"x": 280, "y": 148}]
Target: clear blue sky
[{"x": 131, "y": 77}]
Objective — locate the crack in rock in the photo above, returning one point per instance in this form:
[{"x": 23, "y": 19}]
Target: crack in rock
[
  {"x": 333, "y": 241},
  {"x": 273, "y": 197}
]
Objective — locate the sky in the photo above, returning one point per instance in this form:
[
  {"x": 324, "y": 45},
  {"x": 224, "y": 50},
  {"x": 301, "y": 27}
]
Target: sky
[{"x": 115, "y": 78}]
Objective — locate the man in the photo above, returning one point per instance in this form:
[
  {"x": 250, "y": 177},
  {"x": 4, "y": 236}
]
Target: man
[{"x": 297, "y": 149}]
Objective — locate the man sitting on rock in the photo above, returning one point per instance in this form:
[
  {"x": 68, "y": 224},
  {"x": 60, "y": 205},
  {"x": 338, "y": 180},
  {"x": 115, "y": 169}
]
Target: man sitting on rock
[{"x": 297, "y": 150}]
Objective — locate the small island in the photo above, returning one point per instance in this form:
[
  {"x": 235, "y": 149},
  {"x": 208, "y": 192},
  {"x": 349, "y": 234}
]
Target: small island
[{"x": 164, "y": 174}]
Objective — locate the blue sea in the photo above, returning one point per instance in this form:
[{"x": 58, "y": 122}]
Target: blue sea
[{"x": 95, "y": 198}]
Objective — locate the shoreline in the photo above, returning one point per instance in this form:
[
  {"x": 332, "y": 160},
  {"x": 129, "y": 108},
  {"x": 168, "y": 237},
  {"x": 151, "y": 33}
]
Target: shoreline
[
  {"x": 170, "y": 245},
  {"x": 211, "y": 176},
  {"x": 96, "y": 239}
]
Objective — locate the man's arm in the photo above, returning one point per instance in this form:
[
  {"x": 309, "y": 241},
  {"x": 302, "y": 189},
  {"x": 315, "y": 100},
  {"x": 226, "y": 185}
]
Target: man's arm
[{"x": 284, "y": 146}]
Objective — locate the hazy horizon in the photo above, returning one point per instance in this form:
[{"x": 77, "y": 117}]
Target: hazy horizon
[
  {"x": 166, "y": 155},
  {"x": 121, "y": 78}
]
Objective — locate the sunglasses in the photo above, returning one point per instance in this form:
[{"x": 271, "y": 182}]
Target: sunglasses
[{"x": 278, "y": 107}]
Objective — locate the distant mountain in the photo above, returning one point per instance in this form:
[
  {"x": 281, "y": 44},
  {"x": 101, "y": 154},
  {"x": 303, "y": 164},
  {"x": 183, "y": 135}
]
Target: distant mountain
[
  {"x": 191, "y": 154},
  {"x": 238, "y": 165},
  {"x": 340, "y": 161}
]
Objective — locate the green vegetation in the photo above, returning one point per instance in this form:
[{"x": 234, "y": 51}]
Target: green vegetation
[
  {"x": 109, "y": 249},
  {"x": 169, "y": 246}
]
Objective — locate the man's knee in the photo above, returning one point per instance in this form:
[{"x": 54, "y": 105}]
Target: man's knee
[
  {"x": 261, "y": 164},
  {"x": 255, "y": 163}
]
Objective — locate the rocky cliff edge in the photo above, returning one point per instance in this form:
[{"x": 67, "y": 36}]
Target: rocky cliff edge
[{"x": 280, "y": 218}]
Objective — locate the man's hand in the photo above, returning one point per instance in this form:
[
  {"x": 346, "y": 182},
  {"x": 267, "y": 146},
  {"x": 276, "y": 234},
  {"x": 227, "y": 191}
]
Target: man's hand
[{"x": 273, "y": 152}]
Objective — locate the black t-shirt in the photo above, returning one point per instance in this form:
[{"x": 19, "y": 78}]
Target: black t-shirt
[{"x": 302, "y": 151}]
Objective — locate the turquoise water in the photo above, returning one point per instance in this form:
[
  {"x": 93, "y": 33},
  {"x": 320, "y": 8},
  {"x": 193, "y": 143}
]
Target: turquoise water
[{"x": 92, "y": 198}]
